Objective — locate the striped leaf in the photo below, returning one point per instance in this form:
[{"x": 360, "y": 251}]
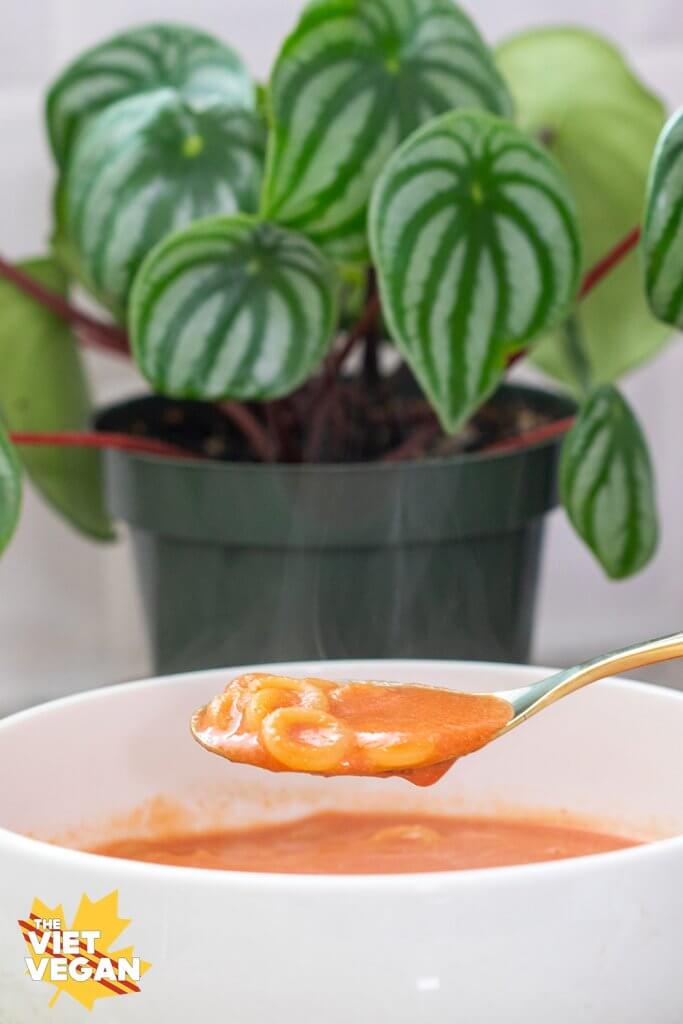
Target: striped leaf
[
  {"x": 198, "y": 66},
  {"x": 607, "y": 484},
  {"x": 474, "y": 235},
  {"x": 43, "y": 389},
  {"x": 147, "y": 166},
  {"x": 232, "y": 307},
  {"x": 600, "y": 122},
  {"x": 354, "y": 79},
  {"x": 10, "y": 489},
  {"x": 663, "y": 229}
]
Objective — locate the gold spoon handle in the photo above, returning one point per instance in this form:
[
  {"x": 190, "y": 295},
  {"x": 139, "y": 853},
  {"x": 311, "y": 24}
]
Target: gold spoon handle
[{"x": 532, "y": 699}]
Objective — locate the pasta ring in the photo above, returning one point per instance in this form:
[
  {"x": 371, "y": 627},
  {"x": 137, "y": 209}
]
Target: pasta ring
[
  {"x": 401, "y": 753},
  {"x": 274, "y": 692},
  {"x": 298, "y": 755},
  {"x": 222, "y": 712},
  {"x": 406, "y": 834},
  {"x": 263, "y": 681}
]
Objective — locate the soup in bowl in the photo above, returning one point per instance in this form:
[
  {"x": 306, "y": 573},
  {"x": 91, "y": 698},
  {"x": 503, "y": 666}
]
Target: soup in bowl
[{"x": 263, "y": 895}]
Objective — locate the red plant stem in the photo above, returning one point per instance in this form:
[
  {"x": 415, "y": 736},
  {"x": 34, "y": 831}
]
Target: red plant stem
[
  {"x": 415, "y": 444},
  {"x": 256, "y": 434},
  {"x": 336, "y": 360},
  {"x": 121, "y": 442},
  {"x": 320, "y": 403},
  {"x": 281, "y": 418},
  {"x": 608, "y": 262},
  {"x": 596, "y": 274},
  {"x": 105, "y": 335},
  {"x": 537, "y": 435},
  {"x": 273, "y": 430},
  {"x": 318, "y": 423}
]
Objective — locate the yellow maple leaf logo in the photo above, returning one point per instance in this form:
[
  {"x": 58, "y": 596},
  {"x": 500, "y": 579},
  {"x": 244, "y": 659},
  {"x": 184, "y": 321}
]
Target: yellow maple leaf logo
[{"x": 96, "y": 971}]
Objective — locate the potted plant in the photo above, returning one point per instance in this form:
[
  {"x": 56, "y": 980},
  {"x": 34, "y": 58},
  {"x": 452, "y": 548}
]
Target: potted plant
[{"x": 325, "y": 282}]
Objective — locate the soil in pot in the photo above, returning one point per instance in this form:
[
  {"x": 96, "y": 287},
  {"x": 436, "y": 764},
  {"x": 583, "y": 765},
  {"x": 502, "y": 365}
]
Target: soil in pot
[{"x": 390, "y": 422}]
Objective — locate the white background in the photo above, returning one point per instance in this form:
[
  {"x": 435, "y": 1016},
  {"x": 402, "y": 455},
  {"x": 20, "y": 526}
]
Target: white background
[{"x": 69, "y": 615}]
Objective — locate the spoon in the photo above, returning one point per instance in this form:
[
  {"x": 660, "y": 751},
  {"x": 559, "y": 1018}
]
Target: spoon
[
  {"x": 529, "y": 700},
  {"x": 354, "y": 728}
]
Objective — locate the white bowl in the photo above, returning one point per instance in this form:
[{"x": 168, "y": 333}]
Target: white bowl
[{"x": 596, "y": 939}]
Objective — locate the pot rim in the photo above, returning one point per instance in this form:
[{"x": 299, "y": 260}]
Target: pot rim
[{"x": 13, "y": 843}]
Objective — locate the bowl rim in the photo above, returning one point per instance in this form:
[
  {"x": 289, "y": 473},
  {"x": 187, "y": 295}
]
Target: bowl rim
[{"x": 91, "y": 863}]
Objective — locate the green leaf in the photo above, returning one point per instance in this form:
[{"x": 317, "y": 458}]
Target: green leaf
[
  {"x": 574, "y": 91},
  {"x": 663, "y": 228},
  {"x": 199, "y": 67},
  {"x": 10, "y": 489},
  {"x": 607, "y": 484},
  {"x": 232, "y": 307},
  {"x": 147, "y": 166},
  {"x": 353, "y": 80},
  {"x": 43, "y": 389},
  {"x": 474, "y": 236}
]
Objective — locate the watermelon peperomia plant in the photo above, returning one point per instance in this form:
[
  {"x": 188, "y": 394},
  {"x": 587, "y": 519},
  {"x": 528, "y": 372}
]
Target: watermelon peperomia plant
[{"x": 397, "y": 191}]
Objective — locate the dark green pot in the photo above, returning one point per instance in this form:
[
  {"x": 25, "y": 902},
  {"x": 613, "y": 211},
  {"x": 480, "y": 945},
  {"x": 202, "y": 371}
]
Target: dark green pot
[{"x": 247, "y": 563}]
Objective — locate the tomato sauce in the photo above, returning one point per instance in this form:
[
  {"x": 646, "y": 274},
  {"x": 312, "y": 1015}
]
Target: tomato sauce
[
  {"x": 325, "y": 728},
  {"x": 364, "y": 843}
]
